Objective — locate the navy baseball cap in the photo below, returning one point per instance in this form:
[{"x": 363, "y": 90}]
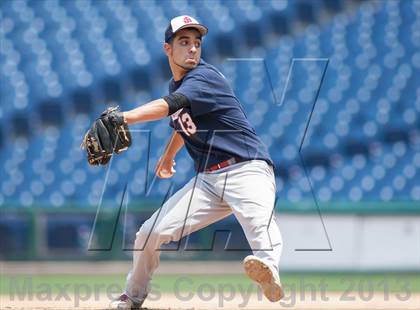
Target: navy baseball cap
[{"x": 181, "y": 22}]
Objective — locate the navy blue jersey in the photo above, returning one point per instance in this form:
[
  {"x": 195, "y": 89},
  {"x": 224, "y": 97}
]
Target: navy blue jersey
[{"x": 214, "y": 127}]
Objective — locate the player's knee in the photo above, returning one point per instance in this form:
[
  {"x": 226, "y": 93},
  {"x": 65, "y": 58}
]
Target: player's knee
[
  {"x": 142, "y": 235},
  {"x": 150, "y": 234},
  {"x": 161, "y": 233}
]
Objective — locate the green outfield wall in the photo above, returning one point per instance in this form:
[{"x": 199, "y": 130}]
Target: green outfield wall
[{"x": 344, "y": 231}]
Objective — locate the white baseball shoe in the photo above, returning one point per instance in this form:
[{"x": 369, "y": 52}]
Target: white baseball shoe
[
  {"x": 268, "y": 279},
  {"x": 124, "y": 302}
]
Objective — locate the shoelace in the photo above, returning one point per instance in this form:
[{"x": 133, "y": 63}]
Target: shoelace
[{"x": 123, "y": 297}]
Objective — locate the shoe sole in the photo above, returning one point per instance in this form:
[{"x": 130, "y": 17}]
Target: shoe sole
[
  {"x": 126, "y": 308},
  {"x": 261, "y": 273}
]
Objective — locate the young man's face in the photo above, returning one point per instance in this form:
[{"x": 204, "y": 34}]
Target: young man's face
[{"x": 185, "y": 50}]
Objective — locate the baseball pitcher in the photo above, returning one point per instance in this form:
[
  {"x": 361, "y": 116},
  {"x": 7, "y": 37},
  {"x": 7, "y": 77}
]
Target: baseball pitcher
[{"x": 234, "y": 170}]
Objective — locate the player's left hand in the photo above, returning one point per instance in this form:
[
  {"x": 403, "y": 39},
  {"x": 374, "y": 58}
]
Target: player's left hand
[{"x": 109, "y": 134}]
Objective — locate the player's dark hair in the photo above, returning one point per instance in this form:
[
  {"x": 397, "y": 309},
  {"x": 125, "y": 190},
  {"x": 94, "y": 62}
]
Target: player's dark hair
[{"x": 171, "y": 40}]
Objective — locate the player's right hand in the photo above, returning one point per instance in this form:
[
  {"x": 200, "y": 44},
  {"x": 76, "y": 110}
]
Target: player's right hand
[{"x": 165, "y": 168}]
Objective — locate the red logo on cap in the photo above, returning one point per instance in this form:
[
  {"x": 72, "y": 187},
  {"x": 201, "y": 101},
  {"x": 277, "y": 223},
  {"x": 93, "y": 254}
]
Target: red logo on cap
[{"x": 187, "y": 20}]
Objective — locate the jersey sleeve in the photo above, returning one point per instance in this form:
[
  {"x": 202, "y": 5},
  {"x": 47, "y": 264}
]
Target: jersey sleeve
[{"x": 199, "y": 92}]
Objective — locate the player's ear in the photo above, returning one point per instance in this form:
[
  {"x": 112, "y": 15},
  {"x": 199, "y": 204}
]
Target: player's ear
[{"x": 167, "y": 48}]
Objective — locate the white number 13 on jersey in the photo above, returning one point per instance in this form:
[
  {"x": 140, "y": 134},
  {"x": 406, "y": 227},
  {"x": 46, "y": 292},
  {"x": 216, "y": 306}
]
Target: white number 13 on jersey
[{"x": 187, "y": 124}]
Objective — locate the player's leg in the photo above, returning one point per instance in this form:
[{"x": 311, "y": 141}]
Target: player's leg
[
  {"x": 190, "y": 209},
  {"x": 250, "y": 191}
]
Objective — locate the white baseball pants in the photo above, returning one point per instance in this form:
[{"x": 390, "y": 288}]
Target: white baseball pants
[{"x": 245, "y": 189}]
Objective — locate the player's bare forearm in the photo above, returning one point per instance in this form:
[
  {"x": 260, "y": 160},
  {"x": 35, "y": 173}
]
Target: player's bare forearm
[
  {"x": 174, "y": 144},
  {"x": 165, "y": 166},
  {"x": 152, "y": 111}
]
